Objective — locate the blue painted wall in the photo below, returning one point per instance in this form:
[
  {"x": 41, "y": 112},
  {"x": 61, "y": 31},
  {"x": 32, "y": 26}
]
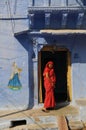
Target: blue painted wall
[{"x": 12, "y": 50}]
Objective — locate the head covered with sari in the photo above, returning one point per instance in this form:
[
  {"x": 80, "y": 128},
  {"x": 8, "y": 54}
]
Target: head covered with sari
[
  {"x": 47, "y": 68},
  {"x": 49, "y": 63}
]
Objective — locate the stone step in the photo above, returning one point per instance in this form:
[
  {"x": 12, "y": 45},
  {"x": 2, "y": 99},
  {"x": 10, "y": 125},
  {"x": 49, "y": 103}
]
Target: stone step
[
  {"x": 81, "y": 102},
  {"x": 36, "y": 122},
  {"x": 75, "y": 122},
  {"x": 75, "y": 125},
  {"x": 44, "y": 123},
  {"x": 34, "y": 127}
]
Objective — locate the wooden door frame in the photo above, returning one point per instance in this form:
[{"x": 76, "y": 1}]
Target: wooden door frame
[{"x": 69, "y": 85}]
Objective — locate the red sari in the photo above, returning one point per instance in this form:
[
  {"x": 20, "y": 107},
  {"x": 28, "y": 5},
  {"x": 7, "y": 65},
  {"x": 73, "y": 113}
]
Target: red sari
[{"x": 49, "y": 85}]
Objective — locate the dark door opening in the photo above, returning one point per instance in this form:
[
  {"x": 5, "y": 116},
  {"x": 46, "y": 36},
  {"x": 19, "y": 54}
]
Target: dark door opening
[{"x": 60, "y": 65}]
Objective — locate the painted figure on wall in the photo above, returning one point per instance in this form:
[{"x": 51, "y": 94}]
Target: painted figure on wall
[
  {"x": 49, "y": 85},
  {"x": 14, "y": 82}
]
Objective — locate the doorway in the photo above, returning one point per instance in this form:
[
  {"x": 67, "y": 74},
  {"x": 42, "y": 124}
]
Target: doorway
[{"x": 60, "y": 58}]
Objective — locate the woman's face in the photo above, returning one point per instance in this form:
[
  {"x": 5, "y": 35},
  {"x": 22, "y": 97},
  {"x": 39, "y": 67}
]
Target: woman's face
[{"x": 50, "y": 66}]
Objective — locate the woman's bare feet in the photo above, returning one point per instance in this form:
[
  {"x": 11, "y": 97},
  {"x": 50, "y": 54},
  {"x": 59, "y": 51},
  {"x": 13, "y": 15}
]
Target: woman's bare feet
[{"x": 45, "y": 110}]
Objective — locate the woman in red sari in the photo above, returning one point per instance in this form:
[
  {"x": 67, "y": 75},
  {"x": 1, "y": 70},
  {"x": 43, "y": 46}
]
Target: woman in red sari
[{"x": 49, "y": 85}]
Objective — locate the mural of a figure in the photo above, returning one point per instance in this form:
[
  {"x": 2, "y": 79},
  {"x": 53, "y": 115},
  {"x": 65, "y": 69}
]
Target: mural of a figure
[
  {"x": 14, "y": 82},
  {"x": 49, "y": 85}
]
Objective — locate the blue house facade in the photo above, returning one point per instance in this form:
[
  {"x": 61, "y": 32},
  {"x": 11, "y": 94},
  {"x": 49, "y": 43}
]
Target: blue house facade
[
  {"x": 33, "y": 32},
  {"x": 57, "y": 32}
]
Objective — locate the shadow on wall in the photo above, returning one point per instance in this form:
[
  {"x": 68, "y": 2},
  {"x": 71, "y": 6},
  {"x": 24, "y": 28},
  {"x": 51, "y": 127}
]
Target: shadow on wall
[{"x": 24, "y": 41}]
